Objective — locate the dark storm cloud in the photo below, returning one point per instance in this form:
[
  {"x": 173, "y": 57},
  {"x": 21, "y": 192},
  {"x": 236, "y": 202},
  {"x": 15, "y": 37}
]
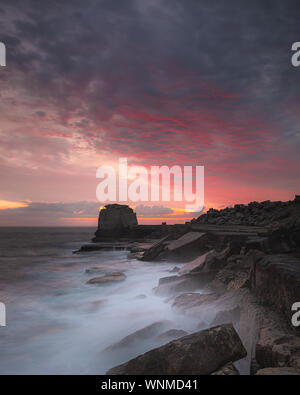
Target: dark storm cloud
[
  {"x": 59, "y": 209},
  {"x": 165, "y": 81},
  {"x": 50, "y": 214},
  {"x": 117, "y": 43}
]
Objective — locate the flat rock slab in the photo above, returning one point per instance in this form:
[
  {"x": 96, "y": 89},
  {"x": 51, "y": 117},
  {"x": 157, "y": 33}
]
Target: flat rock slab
[
  {"x": 184, "y": 241},
  {"x": 200, "y": 353},
  {"x": 230, "y": 229},
  {"x": 194, "y": 265},
  {"x": 154, "y": 251},
  {"x": 187, "y": 301},
  {"x": 108, "y": 278}
]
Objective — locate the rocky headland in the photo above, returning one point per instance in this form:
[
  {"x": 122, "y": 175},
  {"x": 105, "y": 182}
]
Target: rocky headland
[{"x": 246, "y": 262}]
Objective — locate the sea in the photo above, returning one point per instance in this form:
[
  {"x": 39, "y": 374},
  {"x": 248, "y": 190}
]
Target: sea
[{"x": 56, "y": 323}]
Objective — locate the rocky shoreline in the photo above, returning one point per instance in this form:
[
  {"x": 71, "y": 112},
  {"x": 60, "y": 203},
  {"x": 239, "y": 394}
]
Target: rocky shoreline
[{"x": 246, "y": 261}]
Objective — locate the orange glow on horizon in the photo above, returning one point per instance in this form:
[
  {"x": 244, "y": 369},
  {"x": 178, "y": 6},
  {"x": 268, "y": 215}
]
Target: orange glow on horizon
[
  {"x": 6, "y": 204},
  {"x": 142, "y": 220}
]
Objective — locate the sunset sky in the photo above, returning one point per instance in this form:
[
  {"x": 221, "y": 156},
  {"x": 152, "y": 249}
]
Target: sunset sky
[{"x": 160, "y": 82}]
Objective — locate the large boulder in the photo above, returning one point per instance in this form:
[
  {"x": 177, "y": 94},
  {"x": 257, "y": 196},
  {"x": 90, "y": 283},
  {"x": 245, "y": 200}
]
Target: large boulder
[
  {"x": 200, "y": 353},
  {"x": 276, "y": 282},
  {"x": 195, "y": 265},
  {"x": 277, "y": 348},
  {"x": 187, "y": 246},
  {"x": 212, "y": 261},
  {"x": 153, "y": 252},
  {"x": 191, "y": 301}
]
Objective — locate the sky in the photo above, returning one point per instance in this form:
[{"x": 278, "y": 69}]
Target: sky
[{"x": 160, "y": 82}]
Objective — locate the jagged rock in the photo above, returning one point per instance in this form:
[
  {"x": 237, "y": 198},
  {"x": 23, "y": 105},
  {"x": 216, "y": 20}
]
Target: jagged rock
[
  {"x": 209, "y": 306},
  {"x": 241, "y": 308},
  {"x": 212, "y": 261},
  {"x": 108, "y": 278},
  {"x": 200, "y": 353},
  {"x": 276, "y": 348},
  {"x": 253, "y": 214},
  {"x": 171, "y": 334},
  {"x": 153, "y": 252},
  {"x": 215, "y": 261},
  {"x": 276, "y": 282},
  {"x": 189, "y": 245},
  {"x": 227, "y": 370},
  {"x": 283, "y": 371},
  {"x": 188, "y": 301},
  {"x": 195, "y": 265},
  {"x": 145, "y": 333},
  {"x": 184, "y": 241}
]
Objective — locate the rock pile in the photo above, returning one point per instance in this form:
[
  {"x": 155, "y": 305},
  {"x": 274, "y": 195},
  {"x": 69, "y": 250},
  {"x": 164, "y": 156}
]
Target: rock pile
[
  {"x": 255, "y": 214},
  {"x": 246, "y": 262}
]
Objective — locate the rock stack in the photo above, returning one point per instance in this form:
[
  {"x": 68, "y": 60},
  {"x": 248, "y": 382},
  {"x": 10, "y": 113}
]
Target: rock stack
[{"x": 115, "y": 220}]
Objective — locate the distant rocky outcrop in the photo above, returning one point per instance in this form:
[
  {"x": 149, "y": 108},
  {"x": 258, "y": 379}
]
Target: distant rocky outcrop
[
  {"x": 255, "y": 214},
  {"x": 115, "y": 220},
  {"x": 118, "y": 223}
]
